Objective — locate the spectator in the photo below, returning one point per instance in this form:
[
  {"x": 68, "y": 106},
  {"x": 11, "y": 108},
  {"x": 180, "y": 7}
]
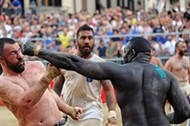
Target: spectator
[
  {"x": 64, "y": 38},
  {"x": 101, "y": 50},
  {"x": 6, "y": 7},
  {"x": 169, "y": 46},
  {"x": 17, "y": 7},
  {"x": 111, "y": 50},
  {"x": 35, "y": 26},
  {"x": 33, "y": 7}
]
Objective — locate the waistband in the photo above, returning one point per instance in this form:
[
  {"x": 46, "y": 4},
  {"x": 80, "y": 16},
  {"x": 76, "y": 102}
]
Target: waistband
[{"x": 62, "y": 121}]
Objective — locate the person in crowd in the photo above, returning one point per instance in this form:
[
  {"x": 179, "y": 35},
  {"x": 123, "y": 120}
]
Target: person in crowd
[
  {"x": 142, "y": 88},
  {"x": 101, "y": 50},
  {"x": 17, "y": 7},
  {"x": 24, "y": 89}
]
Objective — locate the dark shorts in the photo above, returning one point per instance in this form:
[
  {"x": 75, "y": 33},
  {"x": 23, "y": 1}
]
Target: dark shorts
[{"x": 62, "y": 121}]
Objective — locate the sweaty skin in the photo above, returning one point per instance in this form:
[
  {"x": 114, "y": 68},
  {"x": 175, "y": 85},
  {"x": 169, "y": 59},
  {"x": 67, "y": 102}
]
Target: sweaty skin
[
  {"x": 141, "y": 88},
  {"x": 180, "y": 67},
  {"x": 26, "y": 93},
  {"x": 28, "y": 115}
]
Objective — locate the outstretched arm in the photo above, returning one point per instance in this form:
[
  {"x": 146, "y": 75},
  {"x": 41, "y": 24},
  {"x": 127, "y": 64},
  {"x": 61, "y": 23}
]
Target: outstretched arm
[
  {"x": 100, "y": 70},
  {"x": 179, "y": 102},
  {"x": 58, "y": 84}
]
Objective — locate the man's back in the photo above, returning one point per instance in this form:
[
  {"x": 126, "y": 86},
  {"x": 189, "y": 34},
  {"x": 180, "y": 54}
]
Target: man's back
[{"x": 146, "y": 87}]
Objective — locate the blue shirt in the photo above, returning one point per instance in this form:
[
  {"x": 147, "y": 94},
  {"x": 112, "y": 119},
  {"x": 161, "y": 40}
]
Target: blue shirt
[{"x": 16, "y": 4}]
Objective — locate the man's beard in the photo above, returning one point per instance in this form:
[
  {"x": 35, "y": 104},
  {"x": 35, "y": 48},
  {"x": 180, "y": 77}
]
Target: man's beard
[
  {"x": 18, "y": 68},
  {"x": 85, "y": 52},
  {"x": 182, "y": 53}
]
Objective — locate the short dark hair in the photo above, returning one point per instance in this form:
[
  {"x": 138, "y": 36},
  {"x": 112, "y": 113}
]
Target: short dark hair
[
  {"x": 177, "y": 43},
  {"x": 85, "y": 27},
  {"x": 3, "y": 41},
  {"x": 140, "y": 44}
]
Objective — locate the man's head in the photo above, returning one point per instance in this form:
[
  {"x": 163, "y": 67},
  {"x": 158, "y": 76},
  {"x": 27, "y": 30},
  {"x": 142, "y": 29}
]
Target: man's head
[
  {"x": 11, "y": 56},
  {"x": 85, "y": 40},
  {"x": 135, "y": 46},
  {"x": 181, "y": 48}
]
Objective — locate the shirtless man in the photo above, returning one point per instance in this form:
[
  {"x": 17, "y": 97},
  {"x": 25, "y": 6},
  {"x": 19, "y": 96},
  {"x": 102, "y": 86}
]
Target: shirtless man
[
  {"x": 142, "y": 88},
  {"x": 179, "y": 65},
  {"x": 24, "y": 89}
]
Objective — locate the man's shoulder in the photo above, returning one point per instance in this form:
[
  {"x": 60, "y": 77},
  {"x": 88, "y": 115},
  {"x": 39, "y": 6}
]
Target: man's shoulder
[
  {"x": 186, "y": 57},
  {"x": 35, "y": 64},
  {"x": 4, "y": 81},
  {"x": 97, "y": 58},
  {"x": 3, "y": 78},
  {"x": 171, "y": 59}
]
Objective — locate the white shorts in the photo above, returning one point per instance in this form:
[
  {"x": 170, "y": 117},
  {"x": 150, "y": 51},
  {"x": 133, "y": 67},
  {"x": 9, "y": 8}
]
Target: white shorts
[{"x": 185, "y": 87}]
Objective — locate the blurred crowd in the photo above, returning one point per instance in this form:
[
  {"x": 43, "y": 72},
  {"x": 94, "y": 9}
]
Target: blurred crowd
[{"x": 112, "y": 27}]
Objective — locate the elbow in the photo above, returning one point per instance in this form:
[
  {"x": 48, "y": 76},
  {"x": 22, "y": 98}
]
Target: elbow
[{"x": 187, "y": 112}]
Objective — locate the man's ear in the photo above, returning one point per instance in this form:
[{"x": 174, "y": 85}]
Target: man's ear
[
  {"x": 1, "y": 59},
  {"x": 133, "y": 53}
]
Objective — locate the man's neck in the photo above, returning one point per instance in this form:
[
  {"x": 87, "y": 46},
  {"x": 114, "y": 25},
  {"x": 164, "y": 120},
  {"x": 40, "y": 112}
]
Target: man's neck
[
  {"x": 11, "y": 74},
  {"x": 142, "y": 58},
  {"x": 179, "y": 56},
  {"x": 85, "y": 56},
  {"x": 6, "y": 71}
]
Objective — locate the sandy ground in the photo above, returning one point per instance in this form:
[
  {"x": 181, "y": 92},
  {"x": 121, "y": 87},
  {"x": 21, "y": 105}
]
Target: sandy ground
[{"x": 7, "y": 118}]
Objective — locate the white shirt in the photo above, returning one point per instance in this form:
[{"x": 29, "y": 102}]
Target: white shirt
[
  {"x": 83, "y": 92},
  {"x": 170, "y": 45}
]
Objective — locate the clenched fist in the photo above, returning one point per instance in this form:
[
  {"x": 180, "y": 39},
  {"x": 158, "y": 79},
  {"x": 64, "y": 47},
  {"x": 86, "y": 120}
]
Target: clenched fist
[{"x": 29, "y": 48}]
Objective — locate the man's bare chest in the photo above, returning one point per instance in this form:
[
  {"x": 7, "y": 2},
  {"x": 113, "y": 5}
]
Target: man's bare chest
[
  {"x": 32, "y": 77},
  {"x": 180, "y": 65}
]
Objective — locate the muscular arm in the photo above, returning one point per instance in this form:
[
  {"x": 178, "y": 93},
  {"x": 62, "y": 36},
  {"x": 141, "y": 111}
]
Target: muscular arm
[
  {"x": 160, "y": 64},
  {"x": 109, "y": 93},
  {"x": 179, "y": 102},
  {"x": 58, "y": 85},
  {"x": 74, "y": 112},
  {"x": 111, "y": 102},
  {"x": 99, "y": 71},
  {"x": 61, "y": 105},
  {"x": 168, "y": 65}
]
